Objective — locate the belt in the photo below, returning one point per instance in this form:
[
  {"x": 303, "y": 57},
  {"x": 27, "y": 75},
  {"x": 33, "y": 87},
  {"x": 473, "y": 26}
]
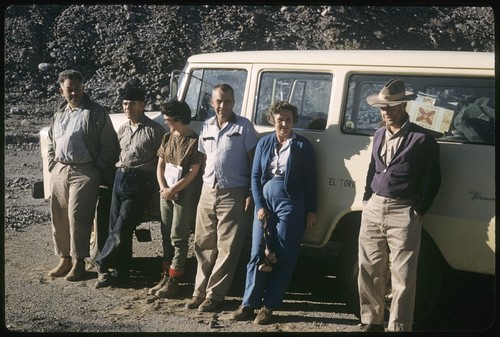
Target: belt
[
  {"x": 129, "y": 170},
  {"x": 394, "y": 197}
]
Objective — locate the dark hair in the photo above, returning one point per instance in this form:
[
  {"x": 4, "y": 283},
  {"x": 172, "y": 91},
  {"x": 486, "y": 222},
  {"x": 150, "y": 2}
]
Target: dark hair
[
  {"x": 278, "y": 107},
  {"x": 178, "y": 111},
  {"x": 71, "y": 75},
  {"x": 224, "y": 88}
]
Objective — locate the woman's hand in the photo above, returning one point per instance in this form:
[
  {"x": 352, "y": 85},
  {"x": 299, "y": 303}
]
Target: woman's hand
[
  {"x": 262, "y": 214},
  {"x": 167, "y": 194}
]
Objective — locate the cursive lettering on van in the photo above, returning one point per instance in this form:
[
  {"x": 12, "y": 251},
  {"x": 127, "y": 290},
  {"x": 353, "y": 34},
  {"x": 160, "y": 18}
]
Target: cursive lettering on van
[
  {"x": 479, "y": 195},
  {"x": 339, "y": 182}
]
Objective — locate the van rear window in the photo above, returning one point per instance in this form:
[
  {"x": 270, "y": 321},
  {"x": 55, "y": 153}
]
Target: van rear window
[{"x": 453, "y": 109}]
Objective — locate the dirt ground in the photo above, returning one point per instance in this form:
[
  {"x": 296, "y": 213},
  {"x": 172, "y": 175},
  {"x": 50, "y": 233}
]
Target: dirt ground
[{"x": 35, "y": 302}]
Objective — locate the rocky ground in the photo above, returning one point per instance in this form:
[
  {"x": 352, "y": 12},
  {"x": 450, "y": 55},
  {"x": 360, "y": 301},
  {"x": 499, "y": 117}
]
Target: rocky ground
[
  {"x": 37, "y": 303},
  {"x": 110, "y": 44}
]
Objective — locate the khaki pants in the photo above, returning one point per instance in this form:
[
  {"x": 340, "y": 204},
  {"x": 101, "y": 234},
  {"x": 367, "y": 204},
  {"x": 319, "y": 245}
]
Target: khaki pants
[
  {"x": 221, "y": 226},
  {"x": 74, "y": 192},
  {"x": 389, "y": 232}
]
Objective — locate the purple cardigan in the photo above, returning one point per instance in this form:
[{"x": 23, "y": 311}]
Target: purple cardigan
[{"x": 414, "y": 172}]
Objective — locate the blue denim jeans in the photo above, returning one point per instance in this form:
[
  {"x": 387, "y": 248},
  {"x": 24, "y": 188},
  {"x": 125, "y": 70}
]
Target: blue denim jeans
[
  {"x": 287, "y": 221},
  {"x": 131, "y": 194}
]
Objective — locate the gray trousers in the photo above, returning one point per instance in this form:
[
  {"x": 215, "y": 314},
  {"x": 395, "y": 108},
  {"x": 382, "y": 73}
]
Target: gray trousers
[{"x": 389, "y": 239}]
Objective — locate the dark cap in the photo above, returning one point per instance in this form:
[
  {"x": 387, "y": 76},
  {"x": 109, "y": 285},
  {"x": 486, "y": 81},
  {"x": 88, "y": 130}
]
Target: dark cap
[{"x": 132, "y": 94}]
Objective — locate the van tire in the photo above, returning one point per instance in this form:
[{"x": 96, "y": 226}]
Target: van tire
[{"x": 429, "y": 280}]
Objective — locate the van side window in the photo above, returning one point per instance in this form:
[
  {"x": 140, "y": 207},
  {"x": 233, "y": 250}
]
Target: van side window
[
  {"x": 309, "y": 92},
  {"x": 201, "y": 83},
  {"x": 453, "y": 109}
]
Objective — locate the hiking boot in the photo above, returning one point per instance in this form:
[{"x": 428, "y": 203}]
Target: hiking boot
[
  {"x": 209, "y": 304},
  {"x": 103, "y": 280},
  {"x": 62, "y": 268},
  {"x": 194, "y": 302},
  {"x": 371, "y": 327},
  {"x": 164, "y": 277},
  {"x": 170, "y": 289},
  {"x": 77, "y": 271},
  {"x": 263, "y": 316},
  {"x": 242, "y": 313}
]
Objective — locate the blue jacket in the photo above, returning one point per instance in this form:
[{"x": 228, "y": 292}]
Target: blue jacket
[
  {"x": 300, "y": 176},
  {"x": 413, "y": 173}
]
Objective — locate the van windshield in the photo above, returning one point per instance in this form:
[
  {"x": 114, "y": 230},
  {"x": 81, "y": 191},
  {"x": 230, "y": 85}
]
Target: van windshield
[
  {"x": 454, "y": 109},
  {"x": 201, "y": 83}
]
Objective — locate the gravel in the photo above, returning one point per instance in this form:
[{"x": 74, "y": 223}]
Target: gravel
[{"x": 110, "y": 44}]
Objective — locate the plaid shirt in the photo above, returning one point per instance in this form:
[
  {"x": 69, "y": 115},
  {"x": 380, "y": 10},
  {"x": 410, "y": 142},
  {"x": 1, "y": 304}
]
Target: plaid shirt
[{"x": 138, "y": 148}]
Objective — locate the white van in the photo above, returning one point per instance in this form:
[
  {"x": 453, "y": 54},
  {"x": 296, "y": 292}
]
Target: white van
[{"x": 456, "y": 99}]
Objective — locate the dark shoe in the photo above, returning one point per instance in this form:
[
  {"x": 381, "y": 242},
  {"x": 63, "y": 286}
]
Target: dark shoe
[
  {"x": 62, "y": 268},
  {"x": 264, "y": 316},
  {"x": 371, "y": 327},
  {"x": 169, "y": 290},
  {"x": 243, "y": 313},
  {"x": 209, "y": 304},
  {"x": 77, "y": 271},
  {"x": 194, "y": 302},
  {"x": 103, "y": 280},
  {"x": 159, "y": 285}
]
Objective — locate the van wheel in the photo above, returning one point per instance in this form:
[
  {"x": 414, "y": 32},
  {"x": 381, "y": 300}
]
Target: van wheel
[
  {"x": 429, "y": 279},
  {"x": 101, "y": 222}
]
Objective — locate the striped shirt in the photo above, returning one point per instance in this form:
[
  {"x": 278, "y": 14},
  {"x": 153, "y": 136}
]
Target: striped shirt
[{"x": 138, "y": 147}]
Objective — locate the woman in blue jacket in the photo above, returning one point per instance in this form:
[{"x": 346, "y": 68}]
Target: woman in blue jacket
[{"x": 284, "y": 192}]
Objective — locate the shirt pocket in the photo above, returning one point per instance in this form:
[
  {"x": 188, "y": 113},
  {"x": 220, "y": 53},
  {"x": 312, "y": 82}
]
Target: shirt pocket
[
  {"x": 209, "y": 144},
  {"x": 233, "y": 140}
]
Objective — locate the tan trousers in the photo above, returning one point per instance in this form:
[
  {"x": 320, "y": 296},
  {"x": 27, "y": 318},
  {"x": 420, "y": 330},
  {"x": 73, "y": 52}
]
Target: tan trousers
[
  {"x": 74, "y": 192},
  {"x": 390, "y": 232},
  {"x": 221, "y": 226}
]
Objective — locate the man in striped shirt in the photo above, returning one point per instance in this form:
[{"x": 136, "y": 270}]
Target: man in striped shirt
[{"x": 135, "y": 183}]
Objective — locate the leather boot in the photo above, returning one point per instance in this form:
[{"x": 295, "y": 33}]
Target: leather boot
[
  {"x": 77, "y": 272},
  {"x": 169, "y": 290},
  {"x": 62, "y": 268},
  {"x": 164, "y": 277}
]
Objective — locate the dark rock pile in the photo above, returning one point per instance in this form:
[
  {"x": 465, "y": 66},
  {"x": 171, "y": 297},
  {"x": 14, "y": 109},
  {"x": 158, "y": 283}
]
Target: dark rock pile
[{"x": 111, "y": 43}]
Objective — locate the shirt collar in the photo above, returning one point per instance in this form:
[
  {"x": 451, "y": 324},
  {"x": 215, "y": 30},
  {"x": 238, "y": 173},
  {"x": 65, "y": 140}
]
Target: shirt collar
[
  {"x": 231, "y": 119},
  {"x": 402, "y": 131}
]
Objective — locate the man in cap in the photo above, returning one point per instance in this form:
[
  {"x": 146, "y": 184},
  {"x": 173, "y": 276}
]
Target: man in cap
[
  {"x": 82, "y": 152},
  {"x": 402, "y": 181},
  {"x": 135, "y": 183}
]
